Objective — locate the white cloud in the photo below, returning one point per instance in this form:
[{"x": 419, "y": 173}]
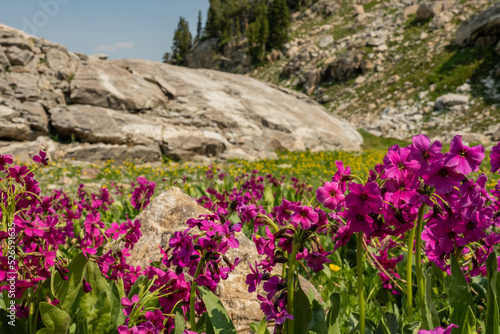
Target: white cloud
[{"x": 115, "y": 47}]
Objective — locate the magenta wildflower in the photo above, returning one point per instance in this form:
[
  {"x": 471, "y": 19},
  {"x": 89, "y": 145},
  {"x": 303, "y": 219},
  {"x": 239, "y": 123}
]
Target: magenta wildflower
[
  {"x": 463, "y": 158},
  {"x": 273, "y": 286},
  {"x": 330, "y": 195},
  {"x": 93, "y": 224},
  {"x": 116, "y": 230},
  {"x": 141, "y": 195},
  {"x": 5, "y": 160},
  {"x": 315, "y": 260},
  {"x": 438, "y": 330},
  {"x": 442, "y": 177},
  {"x": 397, "y": 163},
  {"x": 41, "y": 158},
  {"x": 364, "y": 198},
  {"x": 495, "y": 158},
  {"x": 359, "y": 221},
  {"x": 342, "y": 175},
  {"x": 424, "y": 152},
  {"x": 86, "y": 286},
  {"x": 129, "y": 303},
  {"x": 285, "y": 211},
  {"x": 305, "y": 216},
  {"x": 254, "y": 278}
]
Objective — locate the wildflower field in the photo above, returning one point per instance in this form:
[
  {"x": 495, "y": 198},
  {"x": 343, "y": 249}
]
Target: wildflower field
[{"x": 396, "y": 240}]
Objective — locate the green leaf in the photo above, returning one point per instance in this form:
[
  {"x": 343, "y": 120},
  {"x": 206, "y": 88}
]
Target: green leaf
[
  {"x": 117, "y": 316},
  {"x": 96, "y": 279},
  {"x": 201, "y": 325},
  {"x": 318, "y": 323},
  {"x": 218, "y": 316},
  {"x": 67, "y": 291},
  {"x": 459, "y": 296},
  {"x": 55, "y": 320},
  {"x": 100, "y": 319},
  {"x": 411, "y": 328},
  {"x": 137, "y": 287},
  {"x": 469, "y": 324},
  {"x": 15, "y": 326},
  {"x": 268, "y": 196},
  {"x": 302, "y": 314},
  {"x": 180, "y": 323},
  {"x": 333, "y": 313},
  {"x": 392, "y": 323},
  {"x": 208, "y": 325},
  {"x": 492, "y": 323},
  {"x": 430, "y": 318},
  {"x": 262, "y": 327}
]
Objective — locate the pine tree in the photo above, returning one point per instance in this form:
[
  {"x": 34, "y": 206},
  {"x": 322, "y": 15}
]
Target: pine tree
[
  {"x": 182, "y": 42},
  {"x": 199, "y": 27},
  {"x": 279, "y": 21},
  {"x": 258, "y": 32},
  {"x": 215, "y": 19},
  {"x": 167, "y": 57}
]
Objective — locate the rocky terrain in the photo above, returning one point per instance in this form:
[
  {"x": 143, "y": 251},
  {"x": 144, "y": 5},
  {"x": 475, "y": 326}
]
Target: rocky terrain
[
  {"x": 89, "y": 108},
  {"x": 392, "y": 67}
]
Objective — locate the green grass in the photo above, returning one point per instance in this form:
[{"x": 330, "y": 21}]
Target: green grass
[{"x": 374, "y": 143}]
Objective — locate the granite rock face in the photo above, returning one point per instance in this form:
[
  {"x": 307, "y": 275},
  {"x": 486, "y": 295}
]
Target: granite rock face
[{"x": 183, "y": 113}]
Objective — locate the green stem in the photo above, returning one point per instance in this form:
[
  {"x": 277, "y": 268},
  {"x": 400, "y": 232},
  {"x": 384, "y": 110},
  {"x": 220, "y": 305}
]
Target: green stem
[
  {"x": 418, "y": 260},
  {"x": 409, "y": 286},
  {"x": 361, "y": 296},
  {"x": 290, "y": 286},
  {"x": 192, "y": 297},
  {"x": 31, "y": 321}
]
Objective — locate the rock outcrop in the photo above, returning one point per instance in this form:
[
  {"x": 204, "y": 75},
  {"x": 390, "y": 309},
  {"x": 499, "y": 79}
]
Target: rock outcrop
[
  {"x": 137, "y": 106},
  {"x": 481, "y": 29}
]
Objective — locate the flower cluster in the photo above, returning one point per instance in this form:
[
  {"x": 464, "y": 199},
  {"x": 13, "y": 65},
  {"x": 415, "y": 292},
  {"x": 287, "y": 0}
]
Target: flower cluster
[
  {"x": 292, "y": 235},
  {"x": 461, "y": 212},
  {"x": 30, "y": 224},
  {"x": 141, "y": 195},
  {"x": 201, "y": 249}
]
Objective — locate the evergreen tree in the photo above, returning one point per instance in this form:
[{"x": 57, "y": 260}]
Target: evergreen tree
[
  {"x": 279, "y": 21},
  {"x": 215, "y": 19},
  {"x": 182, "y": 42},
  {"x": 199, "y": 27},
  {"x": 258, "y": 32},
  {"x": 167, "y": 57},
  {"x": 295, "y": 4}
]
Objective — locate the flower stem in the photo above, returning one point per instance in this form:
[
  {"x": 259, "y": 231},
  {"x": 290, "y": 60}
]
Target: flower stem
[
  {"x": 418, "y": 260},
  {"x": 290, "y": 286},
  {"x": 192, "y": 296},
  {"x": 409, "y": 287},
  {"x": 361, "y": 296}
]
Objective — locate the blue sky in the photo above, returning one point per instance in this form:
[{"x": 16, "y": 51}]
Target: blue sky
[{"x": 119, "y": 28}]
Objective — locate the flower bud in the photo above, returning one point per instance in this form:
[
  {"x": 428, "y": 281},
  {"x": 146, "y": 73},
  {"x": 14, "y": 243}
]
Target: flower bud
[
  {"x": 448, "y": 208},
  {"x": 437, "y": 209}
]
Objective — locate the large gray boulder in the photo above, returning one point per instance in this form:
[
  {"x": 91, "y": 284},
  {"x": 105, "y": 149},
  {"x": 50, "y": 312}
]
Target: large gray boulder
[
  {"x": 481, "y": 29},
  {"x": 61, "y": 61},
  {"x": 101, "y": 125},
  {"x": 246, "y": 112},
  {"x": 203, "y": 54},
  {"x": 150, "y": 108},
  {"x": 344, "y": 67},
  {"x": 100, "y": 83},
  {"x": 449, "y": 100}
]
